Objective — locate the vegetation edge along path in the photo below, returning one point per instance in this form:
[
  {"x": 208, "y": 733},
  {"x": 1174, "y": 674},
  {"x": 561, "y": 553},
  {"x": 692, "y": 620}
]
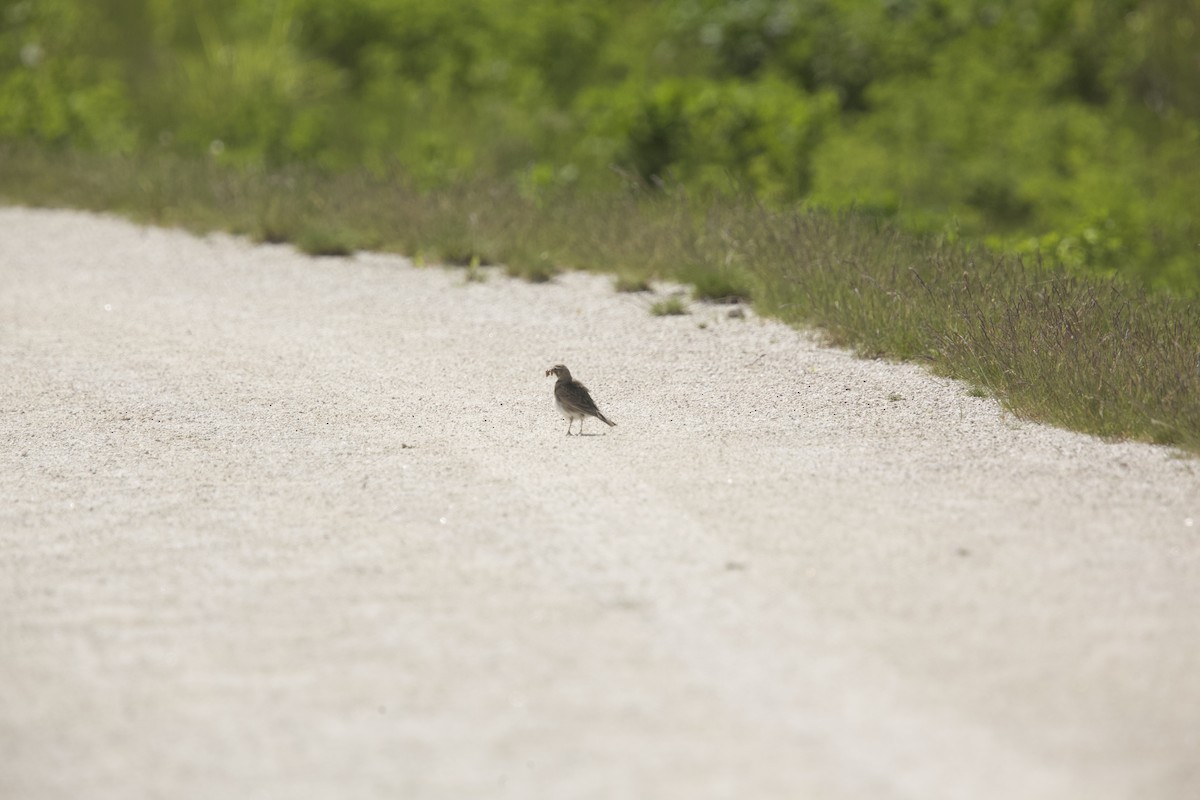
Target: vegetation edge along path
[{"x": 1080, "y": 351}]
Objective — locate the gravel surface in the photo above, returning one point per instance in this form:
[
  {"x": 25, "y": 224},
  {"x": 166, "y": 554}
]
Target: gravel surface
[{"x": 276, "y": 526}]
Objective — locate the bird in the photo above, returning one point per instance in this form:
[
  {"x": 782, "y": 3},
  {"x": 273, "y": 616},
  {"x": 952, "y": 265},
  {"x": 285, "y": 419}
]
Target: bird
[{"x": 573, "y": 400}]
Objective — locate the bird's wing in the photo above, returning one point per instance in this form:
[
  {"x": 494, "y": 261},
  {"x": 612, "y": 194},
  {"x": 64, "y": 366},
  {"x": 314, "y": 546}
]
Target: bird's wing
[{"x": 575, "y": 395}]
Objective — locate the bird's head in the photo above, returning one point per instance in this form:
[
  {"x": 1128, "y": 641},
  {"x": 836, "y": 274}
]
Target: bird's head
[{"x": 559, "y": 371}]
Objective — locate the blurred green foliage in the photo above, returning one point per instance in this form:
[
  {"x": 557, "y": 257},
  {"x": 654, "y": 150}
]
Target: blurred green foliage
[{"x": 1069, "y": 128}]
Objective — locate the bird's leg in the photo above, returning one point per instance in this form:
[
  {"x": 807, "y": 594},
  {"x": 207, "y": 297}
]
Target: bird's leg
[
  {"x": 581, "y": 426},
  {"x": 569, "y": 423}
]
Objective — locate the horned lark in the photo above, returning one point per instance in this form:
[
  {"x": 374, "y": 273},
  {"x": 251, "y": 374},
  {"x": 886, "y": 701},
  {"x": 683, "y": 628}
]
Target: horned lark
[{"x": 573, "y": 400}]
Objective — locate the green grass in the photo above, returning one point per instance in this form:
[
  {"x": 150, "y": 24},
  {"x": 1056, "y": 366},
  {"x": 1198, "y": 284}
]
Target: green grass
[
  {"x": 1083, "y": 352},
  {"x": 318, "y": 241},
  {"x": 631, "y": 284},
  {"x": 474, "y": 274},
  {"x": 717, "y": 285},
  {"x": 670, "y": 307},
  {"x": 533, "y": 267}
]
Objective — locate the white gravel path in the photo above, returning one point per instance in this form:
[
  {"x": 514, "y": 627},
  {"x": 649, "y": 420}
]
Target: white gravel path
[{"x": 282, "y": 527}]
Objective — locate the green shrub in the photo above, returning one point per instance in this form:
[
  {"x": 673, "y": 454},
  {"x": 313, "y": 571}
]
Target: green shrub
[
  {"x": 725, "y": 136},
  {"x": 1068, "y": 129}
]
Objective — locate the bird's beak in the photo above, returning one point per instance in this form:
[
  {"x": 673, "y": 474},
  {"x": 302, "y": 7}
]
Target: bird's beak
[{"x": 548, "y": 372}]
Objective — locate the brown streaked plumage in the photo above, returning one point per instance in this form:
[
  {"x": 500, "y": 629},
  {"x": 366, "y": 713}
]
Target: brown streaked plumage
[{"x": 573, "y": 400}]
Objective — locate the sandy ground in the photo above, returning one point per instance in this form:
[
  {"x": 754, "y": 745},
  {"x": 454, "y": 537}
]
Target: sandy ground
[{"x": 282, "y": 527}]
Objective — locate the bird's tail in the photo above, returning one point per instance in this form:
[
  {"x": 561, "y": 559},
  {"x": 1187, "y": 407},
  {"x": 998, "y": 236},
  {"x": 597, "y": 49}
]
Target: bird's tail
[{"x": 605, "y": 420}]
